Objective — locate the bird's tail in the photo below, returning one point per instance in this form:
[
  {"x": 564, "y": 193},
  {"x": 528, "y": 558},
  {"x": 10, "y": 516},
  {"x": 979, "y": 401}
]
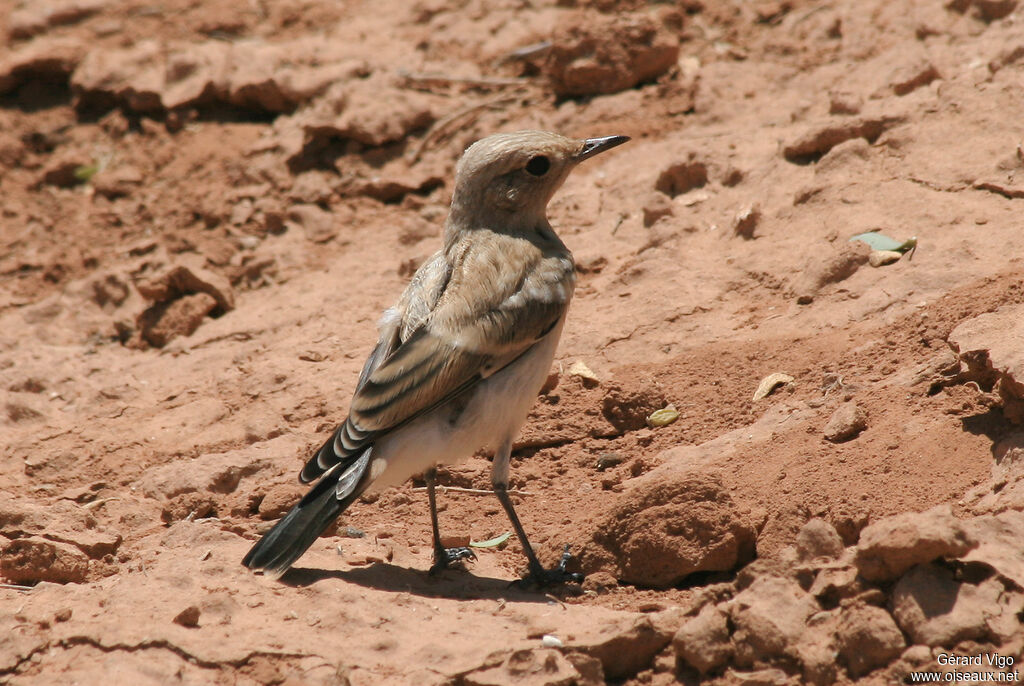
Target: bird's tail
[{"x": 295, "y": 532}]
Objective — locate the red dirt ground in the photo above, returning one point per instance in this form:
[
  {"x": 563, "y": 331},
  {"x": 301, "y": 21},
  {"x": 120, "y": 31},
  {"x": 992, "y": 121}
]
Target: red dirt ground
[{"x": 305, "y": 180}]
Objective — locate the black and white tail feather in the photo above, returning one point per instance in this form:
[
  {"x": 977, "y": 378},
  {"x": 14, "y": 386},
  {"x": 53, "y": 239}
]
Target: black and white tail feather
[{"x": 338, "y": 488}]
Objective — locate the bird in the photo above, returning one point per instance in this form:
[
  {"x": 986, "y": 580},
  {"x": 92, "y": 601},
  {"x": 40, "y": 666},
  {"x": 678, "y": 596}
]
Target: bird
[{"x": 462, "y": 355}]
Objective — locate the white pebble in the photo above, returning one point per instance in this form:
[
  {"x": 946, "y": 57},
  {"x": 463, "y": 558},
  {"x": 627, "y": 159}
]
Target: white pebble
[{"x": 549, "y": 641}]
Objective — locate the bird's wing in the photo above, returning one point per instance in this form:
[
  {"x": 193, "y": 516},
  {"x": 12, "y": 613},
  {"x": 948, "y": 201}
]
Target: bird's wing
[
  {"x": 494, "y": 307},
  {"x": 497, "y": 304}
]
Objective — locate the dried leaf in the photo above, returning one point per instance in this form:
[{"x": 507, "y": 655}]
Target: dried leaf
[
  {"x": 581, "y": 370},
  {"x": 769, "y": 384},
  {"x": 663, "y": 417},
  {"x": 492, "y": 543}
]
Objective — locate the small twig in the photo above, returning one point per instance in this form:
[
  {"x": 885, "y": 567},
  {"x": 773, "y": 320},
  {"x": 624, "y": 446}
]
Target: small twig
[
  {"x": 618, "y": 223},
  {"x": 838, "y": 383},
  {"x": 526, "y": 52},
  {"x": 16, "y": 587},
  {"x": 97, "y": 503},
  {"x": 438, "y": 127},
  {"x": 465, "y": 80},
  {"x": 556, "y": 599},
  {"x": 471, "y": 491}
]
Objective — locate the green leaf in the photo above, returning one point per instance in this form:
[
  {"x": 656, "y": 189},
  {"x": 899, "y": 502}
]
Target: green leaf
[
  {"x": 86, "y": 172},
  {"x": 879, "y": 241},
  {"x": 493, "y": 543}
]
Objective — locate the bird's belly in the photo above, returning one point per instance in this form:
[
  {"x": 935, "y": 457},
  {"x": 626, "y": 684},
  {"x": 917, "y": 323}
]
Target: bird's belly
[{"x": 492, "y": 412}]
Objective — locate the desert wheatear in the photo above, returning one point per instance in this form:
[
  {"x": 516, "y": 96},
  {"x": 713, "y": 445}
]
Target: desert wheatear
[{"x": 464, "y": 352}]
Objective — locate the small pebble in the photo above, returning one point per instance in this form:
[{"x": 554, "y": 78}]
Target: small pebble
[
  {"x": 189, "y": 617},
  {"x": 550, "y": 641},
  {"x": 609, "y": 460}
]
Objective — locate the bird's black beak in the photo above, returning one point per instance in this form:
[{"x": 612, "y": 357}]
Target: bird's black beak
[{"x": 593, "y": 146}]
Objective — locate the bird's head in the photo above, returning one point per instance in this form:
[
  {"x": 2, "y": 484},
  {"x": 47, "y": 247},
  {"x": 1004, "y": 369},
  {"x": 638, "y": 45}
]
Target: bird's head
[{"x": 516, "y": 174}]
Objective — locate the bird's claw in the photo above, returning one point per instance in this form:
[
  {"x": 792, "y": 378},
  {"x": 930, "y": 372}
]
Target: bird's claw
[
  {"x": 444, "y": 557},
  {"x": 540, "y": 577}
]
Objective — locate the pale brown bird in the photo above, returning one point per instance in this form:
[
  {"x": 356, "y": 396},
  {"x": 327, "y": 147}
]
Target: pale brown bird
[{"x": 464, "y": 352}]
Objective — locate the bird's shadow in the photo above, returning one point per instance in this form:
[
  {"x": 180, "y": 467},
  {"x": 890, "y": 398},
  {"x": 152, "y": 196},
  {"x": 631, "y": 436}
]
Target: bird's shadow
[{"x": 452, "y": 583}]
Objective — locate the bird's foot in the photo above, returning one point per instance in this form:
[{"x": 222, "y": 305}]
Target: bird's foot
[
  {"x": 540, "y": 577},
  {"x": 445, "y": 557}
]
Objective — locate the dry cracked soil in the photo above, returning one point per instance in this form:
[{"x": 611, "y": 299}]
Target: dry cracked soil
[{"x": 205, "y": 205}]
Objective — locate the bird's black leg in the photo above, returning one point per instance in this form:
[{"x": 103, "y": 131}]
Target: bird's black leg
[
  {"x": 537, "y": 576},
  {"x": 442, "y": 556}
]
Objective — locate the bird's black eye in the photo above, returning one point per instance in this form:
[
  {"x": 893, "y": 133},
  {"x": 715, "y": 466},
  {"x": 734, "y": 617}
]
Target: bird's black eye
[{"x": 539, "y": 165}]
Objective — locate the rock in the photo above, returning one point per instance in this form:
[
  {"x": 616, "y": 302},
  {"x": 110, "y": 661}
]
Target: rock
[
  {"x": 834, "y": 583},
  {"x": 188, "y": 506},
  {"x": 703, "y": 641},
  {"x": 816, "y": 653},
  {"x": 668, "y": 525},
  {"x": 627, "y": 409},
  {"x": 893, "y": 545},
  {"x": 657, "y": 206},
  {"x": 396, "y": 182},
  {"x": 817, "y": 141},
  {"x": 151, "y": 76},
  {"x": 281, "y": 498},
  {"x": 985, "y": 10},
  {"x": 625, "y": 651},
  {"x": 608, "y": 55},
  {"x": 746, "y": 221},
  {"x": 846, "y": 422},
  {"x": 782, "y": 563},
  {"x": 769, "y": 617},
  {"x": 842, "y": 158},
  {"x": 40, "y": 15},
  {"x": 33, "y": 559},
  {"x": 880, "y": 258},
  {"x": 990, "y": 346},
  {"x": 591, "y": 672},
  {"x": 25, "y": 410},
  {"x": 681, "y": 177},
  {"x": 318, "y": 225},
  {"x": 110, "y": 290},
  {"x": 935, "y": 610},
  {"x": 816, "y": 539},
  {"x": 351, "y": 111},
  {"x": 41, "y": 60},
  {"x": 185, "y": 278},
  {"x": 867, "y": 638},
  {"x": 65, "y": 171},
  {"x": 910, "y": 77},
  {"x": 116, "y": 183},
  {"x": 165, "y": 321},
  {"x": 819, "y": 271},
  {"x": 844, "y": 102},
  {"x": 541, "y": 667},
  {"x": 189, "y": 617},
  {"x": 999, "y": 545},
  {"x": 95, "y": 544},
  {"x": 212, "y": 473},
  {"x": 19, "y": 518},
  {"x": 279, "y": 77}
]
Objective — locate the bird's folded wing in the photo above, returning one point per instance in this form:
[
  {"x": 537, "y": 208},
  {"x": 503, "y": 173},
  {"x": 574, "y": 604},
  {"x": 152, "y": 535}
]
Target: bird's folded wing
[
  {"x": 440, "y": 360},
  {"x": 463, "y": 340}
]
